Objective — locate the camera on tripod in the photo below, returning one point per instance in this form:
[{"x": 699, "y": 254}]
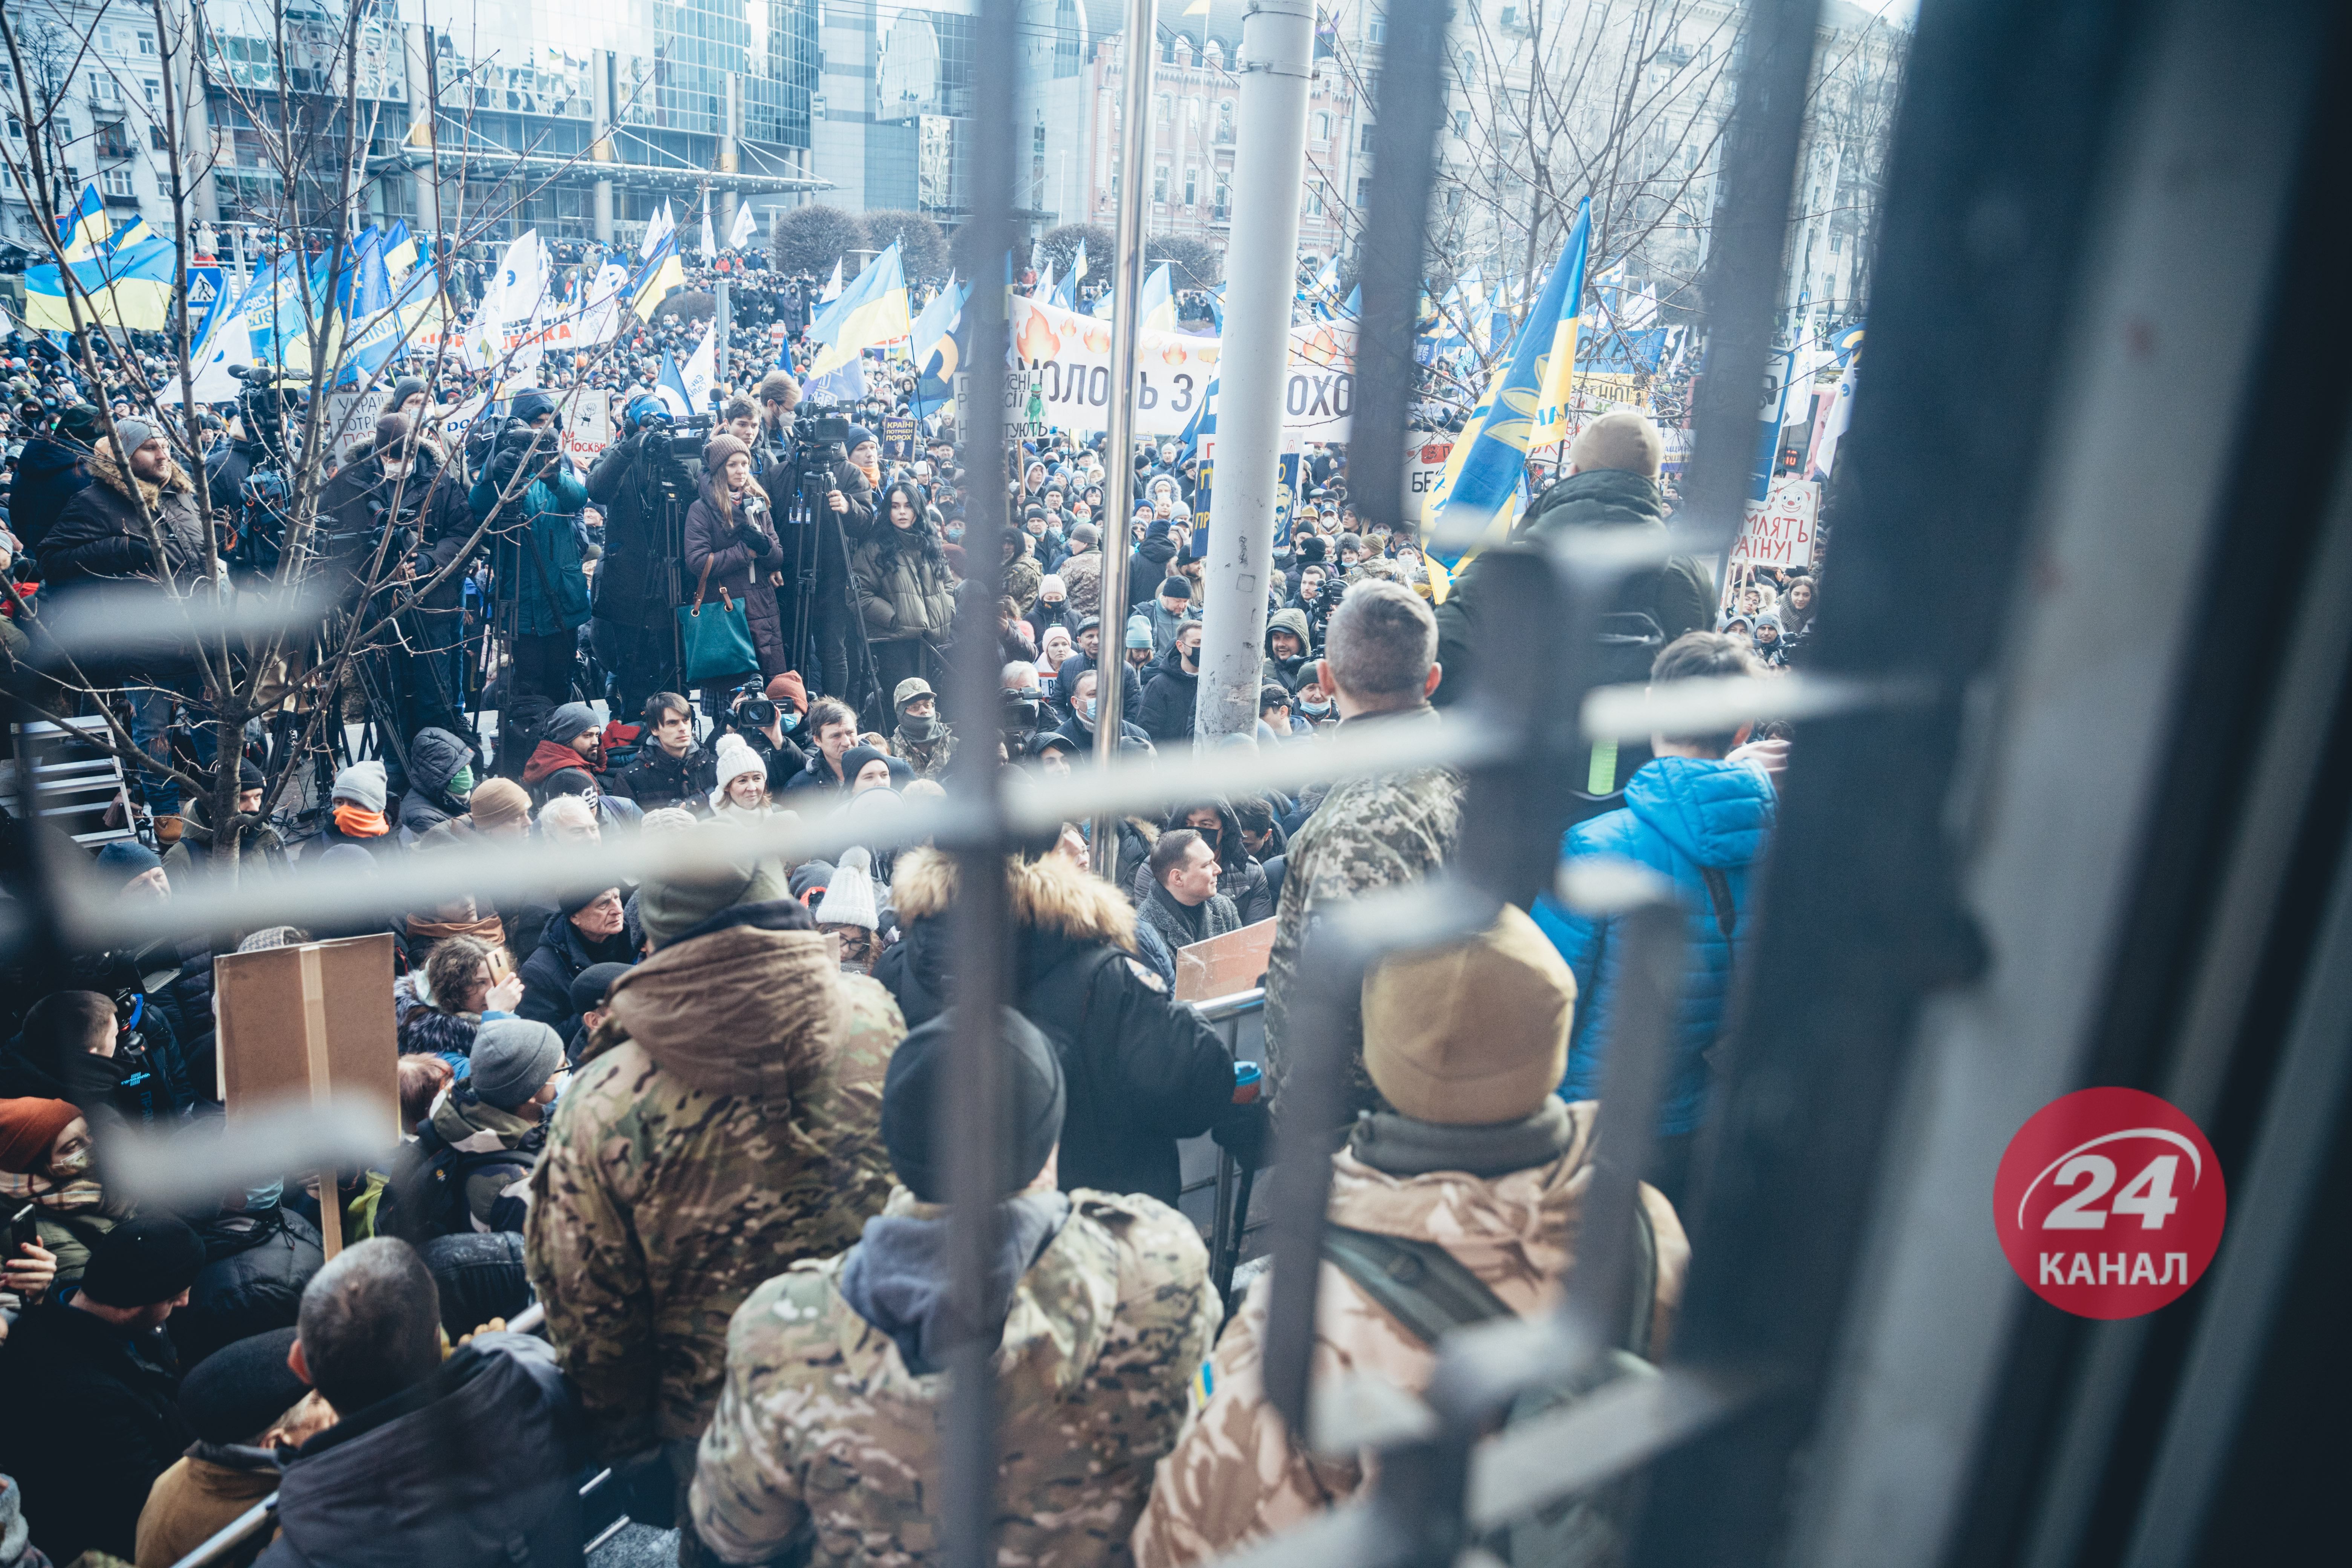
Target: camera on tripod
[
  {"x": 263, "y": 402},
  {"x": 821, "y": 434}
]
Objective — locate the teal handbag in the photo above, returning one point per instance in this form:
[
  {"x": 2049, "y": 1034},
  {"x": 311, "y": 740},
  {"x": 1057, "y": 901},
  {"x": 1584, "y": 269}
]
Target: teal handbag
[{"x": 715, "y": 642}]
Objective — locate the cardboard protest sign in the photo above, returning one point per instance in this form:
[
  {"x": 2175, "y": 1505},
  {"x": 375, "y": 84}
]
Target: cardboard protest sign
[
  {"x": 1226, "y": 964},
  {"x": 1779, "y": 531},
  {"x": 311, "y": 1022}
]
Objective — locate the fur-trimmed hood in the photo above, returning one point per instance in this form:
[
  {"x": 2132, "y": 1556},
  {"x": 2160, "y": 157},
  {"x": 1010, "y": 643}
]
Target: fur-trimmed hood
[
  {"x": 108, "y": 472},
  {"x": 1047, "y": 895}
]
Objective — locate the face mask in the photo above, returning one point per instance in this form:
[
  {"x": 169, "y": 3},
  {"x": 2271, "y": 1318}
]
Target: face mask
[
  {"x": 955, "y": 533},
  {"x": 920, "y": 728},
  {"x": 1090, "y": 709},
  {"x": 396, "y": 470},
  {"x": 461, "y": 783},
  {"x": 266, "y": 1195},
  {"x": 1315, "y": 709},
  {"x": 1191, "y": 657}
]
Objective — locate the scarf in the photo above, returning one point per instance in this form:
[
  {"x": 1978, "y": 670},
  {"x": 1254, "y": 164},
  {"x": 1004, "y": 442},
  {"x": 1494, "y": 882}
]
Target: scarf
[
  {"x": 554, "y": 756},
  {"x": 489, "y": 929},
  {"x": 1403, "y": 1146},
  {"x": 896, "y": 1278},
  {"x": 353, "y": 822},
  {"x": 873, "y": 474}
]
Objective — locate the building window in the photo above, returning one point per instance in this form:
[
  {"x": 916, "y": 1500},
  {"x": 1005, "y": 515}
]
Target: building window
[
  {"x": 104, "y": 89},
  {"x": 1322, "y": 128},
  {"x": 1224, "y": 203},
  {"x": 1462, "y": 125},
  {"x": 1160, "y": 182},
  {"x": 1837, "y": 245},
  {"x": 117, "y": 180},
  {"x": 1225, "y": 120},
  {"x": 147, "y": 44},
  {"x": 1315, "y": 199},
  {"x": 1378, "y": 31},
  {"x": 1364, "y": 140},
  {"x": 154, "y": 91},
  {"x": 1192, "y": 185},
  {"x": 1363, "y": 192},
  {"x": 1167, "y": 110},
  {"x": 155, "y": 137}
]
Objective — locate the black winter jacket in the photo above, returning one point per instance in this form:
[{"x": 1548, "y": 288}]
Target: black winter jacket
[
  {"x": 100, "y": 536},
  {"x": 254, "y": 1268},
  {"x": 1169, "y": 696},
  {"x": 1140, "y": 1069},
  {"x": 94, "y": 1418},
  {"x": 564, "y": 950},
  {"x": 634, "y": 580}
]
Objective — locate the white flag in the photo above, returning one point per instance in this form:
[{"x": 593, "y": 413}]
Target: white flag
[
  {"x": 513, "y": 299},
  {"x": 745, "y": 227},
  {"x": 831, "y": 290},
  {"x": 701, "y": 371},
  {"x": 709, "y": 246},
  {"x": 657, "y": 229}
]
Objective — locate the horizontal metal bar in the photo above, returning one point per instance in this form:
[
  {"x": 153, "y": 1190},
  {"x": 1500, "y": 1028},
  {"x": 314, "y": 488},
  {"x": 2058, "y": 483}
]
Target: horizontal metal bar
[
  {"x": 233, "y": 1534},
  {"x": 606, "y": 1535},
  {"x": 531, "y": 1319},
  {"x": 1218, "y": 1009},
  {"x": 93, "y": 917},
  {"x": 1718, "y": 705},
  {"x": 110, "y": 625}
]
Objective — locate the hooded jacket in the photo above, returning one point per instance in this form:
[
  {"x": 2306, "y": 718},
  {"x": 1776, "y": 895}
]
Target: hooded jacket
[
  {"x": 1286, "y": 673},
  {"x": 712, "y": 539},
  {"x": 433, "y": 759},
  {"x": 255, "y": 1264},
  {"x": 1683, "y": 817},
  {"x": 633, "y": 577},
  {"x": 725, "y": 1120},
  {"x": 550, "y": 590},
  {"x": 822, "y": 1426},
  {"x": 1237, "y": 1474},
  {"x": 903, "y": 586},
  {"x": 1240, "y": 875},
  {"x": 1140, "y": 1070},
  {"x": 495, "y": 1150},
  {"x": 1064, "y": 688},
  {"x": 96, "y": 1418},
  {"x": 203, "y": 1492},
  {"x": 100, "y": 535},
  {"x": 1169, "y": 693},
  {"x": 564, "y": 950},
  {"x": 49, "y": 473},
  {"x": 471, "y": 1469}
]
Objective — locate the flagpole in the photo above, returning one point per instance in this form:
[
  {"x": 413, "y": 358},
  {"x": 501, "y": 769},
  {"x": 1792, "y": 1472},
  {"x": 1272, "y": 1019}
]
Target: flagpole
[{"x": 1141, "y": 50}]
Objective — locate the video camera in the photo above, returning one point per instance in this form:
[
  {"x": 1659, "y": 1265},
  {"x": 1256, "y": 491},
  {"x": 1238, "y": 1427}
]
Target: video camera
[{"x": 263, "y": 402}]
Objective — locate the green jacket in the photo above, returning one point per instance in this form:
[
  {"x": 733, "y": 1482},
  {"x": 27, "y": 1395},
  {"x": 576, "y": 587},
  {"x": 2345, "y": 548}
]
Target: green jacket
[
  {"x": 821, "y": 1423},
  {"x": 1679, "y": 595},
  {"x": 734, "y": 1127}
]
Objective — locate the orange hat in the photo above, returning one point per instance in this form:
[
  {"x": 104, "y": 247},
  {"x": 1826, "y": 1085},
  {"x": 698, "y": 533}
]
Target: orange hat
[{"x": 27, "y": 1128}]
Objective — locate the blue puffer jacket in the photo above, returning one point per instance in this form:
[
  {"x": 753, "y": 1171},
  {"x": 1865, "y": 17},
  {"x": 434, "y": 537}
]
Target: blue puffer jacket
[
  {"x": 1681, "y": 813},
  {"x": 552, "y": 587}
]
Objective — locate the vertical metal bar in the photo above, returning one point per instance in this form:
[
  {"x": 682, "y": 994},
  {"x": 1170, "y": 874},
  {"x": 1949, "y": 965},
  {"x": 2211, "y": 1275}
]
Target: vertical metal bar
[
  {"x": 1277, "y": 56},
  {"x": 1759, "y": 170},
  {"x": 972, "y": 1115},
  {"x": 1410, "y": 105},
  {"x": 1139, "y": 53}
]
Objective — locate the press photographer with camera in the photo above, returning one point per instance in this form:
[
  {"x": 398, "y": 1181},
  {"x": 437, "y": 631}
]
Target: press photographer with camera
[
  {"x": 537, "y": 495},
  {"x": 731, "y": 546},
  {"x": 842, "y": 489},
  {"x": 645, "y": 485},
  {"x": 760, "y": 717}
]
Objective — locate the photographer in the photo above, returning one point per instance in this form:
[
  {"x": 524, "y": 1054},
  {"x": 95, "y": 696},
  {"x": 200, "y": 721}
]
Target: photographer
[
  {"x": 759, "y": 716},
  {"x": 850, "y": 506},
  {"x": 644, "y": 491},
  {"x": 537, "y": 496},
  {"x": 730, "y": 531}
]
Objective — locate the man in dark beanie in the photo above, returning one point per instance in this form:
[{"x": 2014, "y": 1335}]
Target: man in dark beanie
[
  {"x": 462, "y": 1463},
  {"x": 1101, "y": 1307},
  {"x": 570, "y": 739},
  {"x": 100, "y": 1373},
  {"x": 241, "y": 1402}
]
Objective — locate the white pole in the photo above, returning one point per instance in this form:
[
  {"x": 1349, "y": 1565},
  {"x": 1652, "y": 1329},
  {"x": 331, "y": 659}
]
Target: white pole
[{"x": 1261, "y": 267}]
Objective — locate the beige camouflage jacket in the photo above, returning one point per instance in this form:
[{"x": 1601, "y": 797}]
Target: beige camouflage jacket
[
  {"x": 734, "y": 1128},
  {"x": 1368, "y": 834},
  {"x": 822, "y": 1425},
  {"x": 1237, "y": 1475}
]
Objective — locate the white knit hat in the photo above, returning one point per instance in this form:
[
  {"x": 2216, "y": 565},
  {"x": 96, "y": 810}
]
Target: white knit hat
[
  {"x": 735, "y": 759},
  {"x": 849, "y": 897}
]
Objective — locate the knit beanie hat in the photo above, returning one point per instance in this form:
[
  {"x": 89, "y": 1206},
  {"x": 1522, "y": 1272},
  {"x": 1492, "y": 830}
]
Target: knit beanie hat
[
  {"x": 27, "y": 1128},
  {"x": 238, "y": 1391},
  {"x": 567, "y": 780},
  {"x": 1138, "y": 632},
  {"x": 362, "y": 784},
  {"x": 735, "y": 759},
  {"x": 858, "y": 436},
  {"x": 133, "y": 434},
  {"x": 512, "y": 1058},
  {"x": 496, "y": 801},
  {"x": 854, "y": 761},
  {"x": 1473, "y": 1032},
  {"x": 569, "y": 722},
  {"x": 391, "y": 430},
  {"x": 849, "y": 897},
  {"x": 1175, "y": 588},
  {"x": 718, "y": 450},
  {"x": 407, "y": 387},
  {"x": 273, "y": 936},
  {"x": 126, "y": 858},
  {"x": 141, "y": 1262},
  {"x": 672, "y": 904},
  {"x": 588, "y": 986},
  {"x": 919, "y": 1079}
]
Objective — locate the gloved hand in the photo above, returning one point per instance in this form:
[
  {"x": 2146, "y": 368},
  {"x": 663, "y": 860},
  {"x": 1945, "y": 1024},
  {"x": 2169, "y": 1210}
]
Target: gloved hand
[
  {"x": 752, "y": 539},
  {"x": 1248, "y": 1135}
]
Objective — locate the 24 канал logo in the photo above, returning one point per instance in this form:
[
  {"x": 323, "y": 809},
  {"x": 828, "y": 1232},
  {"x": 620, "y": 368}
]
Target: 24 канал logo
[{"x": 2109, "y": 1202}]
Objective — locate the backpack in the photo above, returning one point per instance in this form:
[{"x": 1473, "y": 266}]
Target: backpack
[
  {"x": 427, "y": 1195},
  {"x": 1429, "y": 1292}
]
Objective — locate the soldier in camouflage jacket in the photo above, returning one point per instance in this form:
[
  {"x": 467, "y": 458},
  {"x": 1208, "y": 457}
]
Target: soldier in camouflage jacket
[
  {"x": 822, "y": 1428},
  {"x": 723, "y": 1123}
]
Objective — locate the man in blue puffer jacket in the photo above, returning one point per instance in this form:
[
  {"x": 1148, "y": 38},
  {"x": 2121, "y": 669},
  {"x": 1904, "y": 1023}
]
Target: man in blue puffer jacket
[
  {"x": 1700, "y": 822},
  {"x": 538, "y": 498}
]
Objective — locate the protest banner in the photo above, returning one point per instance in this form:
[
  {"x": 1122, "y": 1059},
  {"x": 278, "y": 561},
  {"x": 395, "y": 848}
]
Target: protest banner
[
  {"x": 1779, "y": 530},
  {"x": 308, "y": 1022},
  {"x": 1224, "y": 965},
  {"x": 1425, "y": 464},
  {"x": 587, "y": 417},
  {"x": 351, "y": 419},
  {"x": 898, "y": 436},
  {"x": 1069, "y": 356}
]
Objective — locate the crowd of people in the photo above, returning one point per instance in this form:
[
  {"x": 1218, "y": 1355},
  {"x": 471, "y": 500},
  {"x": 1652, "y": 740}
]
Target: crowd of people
[{"x": 695, "y": 1117}]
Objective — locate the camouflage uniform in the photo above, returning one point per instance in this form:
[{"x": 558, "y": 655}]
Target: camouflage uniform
[
  {"x": 929, "y": 758},
  {"x": 1368, "y": 834},
  {"x": 734, "y": 1128},
  {"x": 1237, "y": 1475},
  {"x": 822, "y": 1426}
]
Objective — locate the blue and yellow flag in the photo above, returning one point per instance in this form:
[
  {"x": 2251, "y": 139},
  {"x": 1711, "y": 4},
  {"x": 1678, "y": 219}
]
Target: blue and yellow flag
[
  {"x": 131, "y": 235},
  {"x": 662, "y": 275},
  {"x": 934, "y": 351},
  {"x": 1477, "y": 499},
  {"x": 399, "y": 251},
  {"x": 83, "y": 230},
  {"x": 870, "y": 313},
  {"x": 130, "y": 288},
  {"x": 384, "y": 334}
]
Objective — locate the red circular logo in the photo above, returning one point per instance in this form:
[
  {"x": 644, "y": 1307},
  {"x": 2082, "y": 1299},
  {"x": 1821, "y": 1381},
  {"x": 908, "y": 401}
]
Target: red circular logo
[{"x": 2109, "y": 1202}]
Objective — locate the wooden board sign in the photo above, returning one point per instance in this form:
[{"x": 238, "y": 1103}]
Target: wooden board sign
[{"x": 1226, "y": 964}]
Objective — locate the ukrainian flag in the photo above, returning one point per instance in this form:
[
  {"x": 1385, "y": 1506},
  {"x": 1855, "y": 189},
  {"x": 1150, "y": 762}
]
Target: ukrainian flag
[
  {"x": 399, "y": 251},
  {"x": 131, "y": 235},
  {"x": 934, "y": 347},
  {"x": 1477, "y": 499},
  {"x": 662, "y": 275},
  {"x": 82, "y": 231},
  {"x": 870, "y": 313},
  {"x": 130, "y": 288}
]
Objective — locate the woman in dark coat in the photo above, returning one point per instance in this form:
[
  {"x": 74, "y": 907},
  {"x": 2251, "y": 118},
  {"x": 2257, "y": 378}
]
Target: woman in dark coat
[
  {"x": 905, "y": 593},
  {"x": 731, "y": 529}
]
